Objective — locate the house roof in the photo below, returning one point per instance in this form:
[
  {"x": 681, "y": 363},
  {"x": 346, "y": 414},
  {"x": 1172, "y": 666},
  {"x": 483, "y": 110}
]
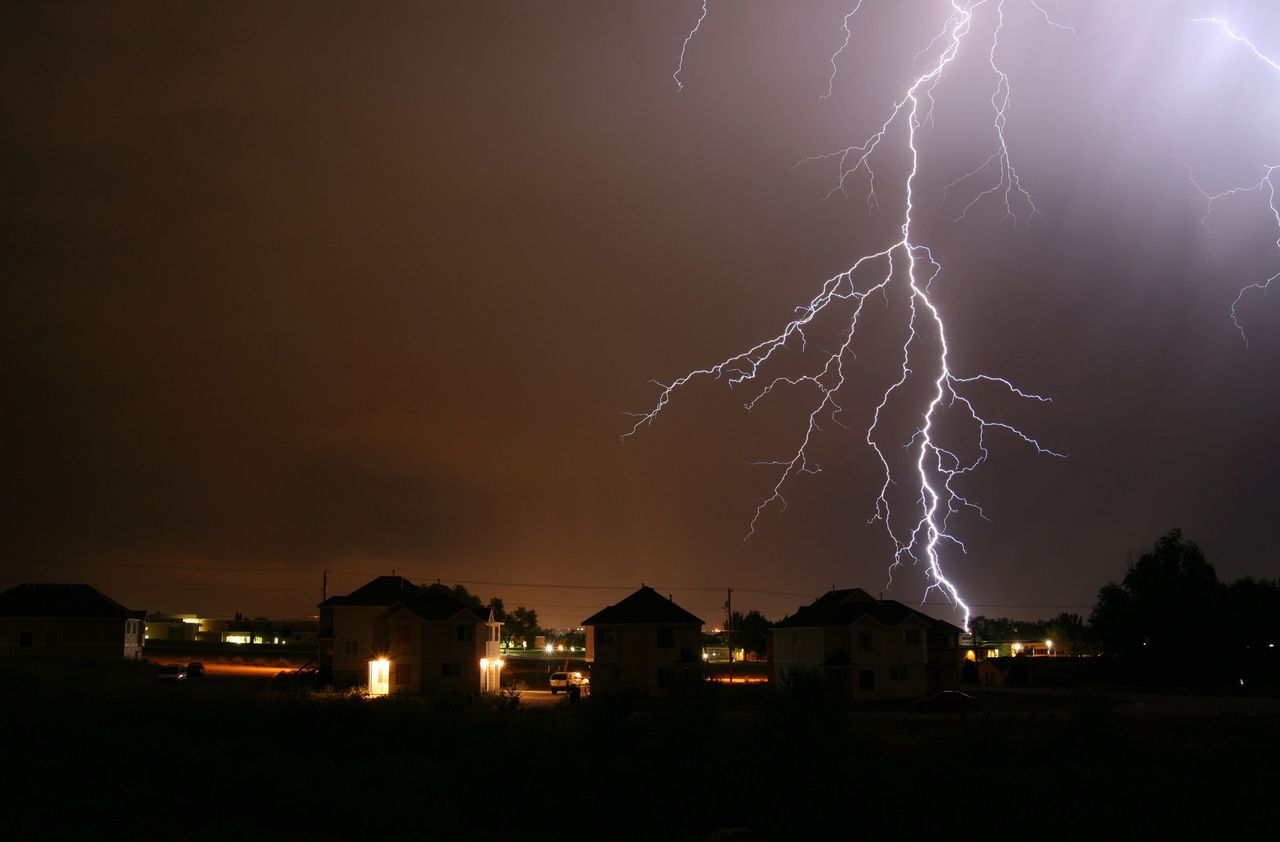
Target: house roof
[
  {"x": 435, "y": 602},
  {"x": 383, "y": 590},
  {"x": 849, "y": 605},
  {"x": 644, "y": 606},
  {"x": 57, "y": 600}
]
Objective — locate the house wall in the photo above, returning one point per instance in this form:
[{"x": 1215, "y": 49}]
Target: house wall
[
  {"x": 944, "y": 659},
  {"x": 429, "y": 657},
  {"x": 629, "y": 654},
  {"x": 107, "y": 637},
  {"x": 352, "y": 641},
  {"x": 452, "y": 665},
  {"x": 798, "y": 649},
  {"x": 897, "y": 669}
]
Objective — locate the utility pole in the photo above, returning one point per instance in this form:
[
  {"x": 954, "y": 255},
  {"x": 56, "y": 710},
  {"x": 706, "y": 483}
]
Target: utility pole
[
  {"x": 324, "y": 587},
  {"x": 728, "y": 624}
]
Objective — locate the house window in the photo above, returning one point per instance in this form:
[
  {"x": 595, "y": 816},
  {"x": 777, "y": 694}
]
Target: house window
[
  {"x": 604, "y": 636},
  {"x": 466, "y": 633},
  {"x": 349, "y": 647},
  {"x": 451, "y": 669},
  {"x": 867, "y": 680},
  {"x": 25, "y": 639},
  {"x": 404, "y": 674},
  {"x": 866, "y": 640},
  {"x": 666, "y": 638},
  {"x": 404, "y": 635},
  {"x": 665, "y": 678},
  {"x": 948, "y": 641},
  {"x": 913, "y": 637},
  {"x": 898, "y": 674}
]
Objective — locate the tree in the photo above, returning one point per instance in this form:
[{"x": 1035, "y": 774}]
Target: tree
[
  {"x": 468, "y": 597},
  {"x": 521, "y": 625},
  {"x": 750, "y": 631},
  {"x": 1168, "y": 603},
  {"x": 1069, "y": 634}
]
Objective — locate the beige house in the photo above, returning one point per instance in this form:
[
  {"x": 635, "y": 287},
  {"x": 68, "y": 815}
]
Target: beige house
[
  {"x": 646, "y": 642},
  {"x": 68, "y": 619},
  {"x": 866, "y": 648},
  {"x": 398, "y": 637}
]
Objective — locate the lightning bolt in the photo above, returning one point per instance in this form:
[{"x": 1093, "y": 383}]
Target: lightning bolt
[
  {"x": 1226, "y": 30},
  {"x": 908, "y": 267},
  {"x": 1264, "y": 185},
  {"x": 684, "y": 48}
]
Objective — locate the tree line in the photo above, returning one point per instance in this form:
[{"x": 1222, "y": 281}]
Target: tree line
[{"x": 1169, "y": 619}]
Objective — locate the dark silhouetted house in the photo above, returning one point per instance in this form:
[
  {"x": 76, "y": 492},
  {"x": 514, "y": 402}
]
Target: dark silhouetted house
[
  {"x": 399, "y": 637},
  {"x": 71, "y": 619},
  {"x": 994, "y": 672},
  {"x": 646, "y": 642},
  {"x": 866, "y": 648}
]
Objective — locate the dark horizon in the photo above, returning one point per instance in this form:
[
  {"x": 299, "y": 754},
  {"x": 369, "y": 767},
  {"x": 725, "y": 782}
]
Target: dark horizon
[{"x": 298, "y": 288}]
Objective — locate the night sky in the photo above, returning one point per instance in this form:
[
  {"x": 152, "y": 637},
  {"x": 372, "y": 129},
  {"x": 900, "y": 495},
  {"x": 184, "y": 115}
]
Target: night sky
[{"x": 293, "y": 286}]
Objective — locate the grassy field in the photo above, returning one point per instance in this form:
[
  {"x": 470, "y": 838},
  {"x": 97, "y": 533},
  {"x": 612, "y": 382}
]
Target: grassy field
[{"x": 100, "y": 751}]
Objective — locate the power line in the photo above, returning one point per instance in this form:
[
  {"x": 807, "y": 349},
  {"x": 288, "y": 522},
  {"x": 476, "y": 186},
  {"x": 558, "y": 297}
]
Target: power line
[{"x": 202, "y": 568}]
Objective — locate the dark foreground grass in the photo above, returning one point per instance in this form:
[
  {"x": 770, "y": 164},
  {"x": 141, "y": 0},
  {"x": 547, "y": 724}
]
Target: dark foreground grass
[{"x": 100, "y": 751}]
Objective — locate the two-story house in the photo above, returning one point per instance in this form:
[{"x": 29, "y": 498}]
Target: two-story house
[
  {"x": 646, "y": 642},
  {"x": 433, "y": 642},
  {"x": 866, "y": 648},
  {"x": 396, "y": 636},
  {"x": 69, "y": 619}
]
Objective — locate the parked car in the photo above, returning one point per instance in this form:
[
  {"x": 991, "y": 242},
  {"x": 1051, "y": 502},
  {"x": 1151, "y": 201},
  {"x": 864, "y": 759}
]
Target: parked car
[
  {"x": 562, "y": 681},
  {"x": 195, "y": 669},
  {"x": 948, "y": 701},
  {"x": 172, "y": 672}
]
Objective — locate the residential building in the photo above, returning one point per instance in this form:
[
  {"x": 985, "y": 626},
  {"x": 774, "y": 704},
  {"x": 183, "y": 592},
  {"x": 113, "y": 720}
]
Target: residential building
[
  {"x": 866, "y": 648},
  {"x": 70, "y": 619},
  {"x": 645, "y": 642},
  {"x": 400, "y": 637}
]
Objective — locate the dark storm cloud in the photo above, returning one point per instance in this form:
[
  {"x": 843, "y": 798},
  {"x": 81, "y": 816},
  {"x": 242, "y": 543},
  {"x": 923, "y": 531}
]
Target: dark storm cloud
[{"x": 327, "y": 286}]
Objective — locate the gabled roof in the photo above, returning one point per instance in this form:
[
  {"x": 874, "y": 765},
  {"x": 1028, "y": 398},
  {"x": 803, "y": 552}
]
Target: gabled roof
[
  {"x": 849, "y": 605},
  {"x": 644, "y": 606},
  {"x": 79, "y": 601},
  {"x": 383, "y": 590},
  {"x": 435, "y": 602}
]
